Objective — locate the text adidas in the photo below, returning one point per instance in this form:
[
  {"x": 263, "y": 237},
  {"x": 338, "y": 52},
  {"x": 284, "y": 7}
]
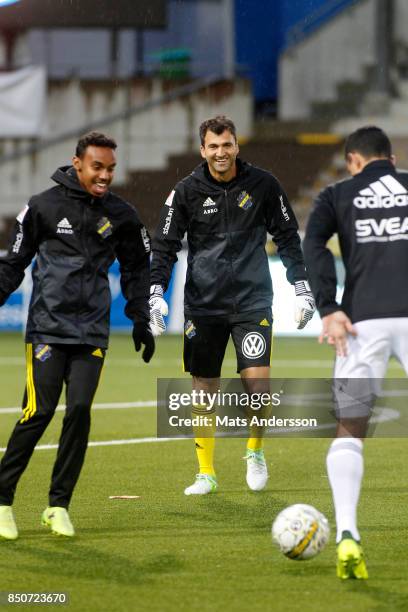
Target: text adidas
[{"x": 378, "y": 201}]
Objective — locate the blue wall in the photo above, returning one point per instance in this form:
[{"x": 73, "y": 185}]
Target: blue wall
[
  {"x": 262, "y": 27},
  {"x": 258, "y": 40},
  {"x": 295, "y": 11}
]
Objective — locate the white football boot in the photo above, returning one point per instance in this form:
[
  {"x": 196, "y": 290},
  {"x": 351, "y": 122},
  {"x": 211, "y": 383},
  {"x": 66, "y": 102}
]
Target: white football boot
[
  {"x": 257, "y": 471},
  {"x": 204, "y": 483}
]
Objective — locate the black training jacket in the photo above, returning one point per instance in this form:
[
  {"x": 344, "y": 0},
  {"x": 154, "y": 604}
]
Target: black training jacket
[
  {"x": 226, "y": 227},
  {"x": 369, "y": 213},
  {"x": 76, "y": 238}
]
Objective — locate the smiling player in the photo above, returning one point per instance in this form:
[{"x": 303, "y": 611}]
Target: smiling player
[
  {"x": 227, "y": 206},
  {"x": 75, "y": 230}
]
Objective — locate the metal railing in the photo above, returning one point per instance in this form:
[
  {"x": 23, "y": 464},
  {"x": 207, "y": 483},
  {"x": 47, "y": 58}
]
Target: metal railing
[
  {"x": 171, "y": 96},
  {"x": 315, "y": 20}
]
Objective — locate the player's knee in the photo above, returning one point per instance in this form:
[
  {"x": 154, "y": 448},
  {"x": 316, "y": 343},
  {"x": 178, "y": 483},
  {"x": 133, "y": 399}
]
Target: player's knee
[{"x": 79, "y": 410}]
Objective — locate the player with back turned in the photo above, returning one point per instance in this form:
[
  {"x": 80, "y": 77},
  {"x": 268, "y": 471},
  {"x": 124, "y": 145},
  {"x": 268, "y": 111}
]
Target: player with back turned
[
  {"x": 75, "y": 230},
  {"x": 369, "y": 214},
  {"x": 227, "y": 206}
]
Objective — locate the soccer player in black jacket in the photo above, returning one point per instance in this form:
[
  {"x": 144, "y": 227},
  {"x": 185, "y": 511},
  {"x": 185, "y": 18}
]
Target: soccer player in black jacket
[
  {"x": 369, "y": 214},
  {"x": 227, "y": 206},
  {"x": 75, "y": 229}
]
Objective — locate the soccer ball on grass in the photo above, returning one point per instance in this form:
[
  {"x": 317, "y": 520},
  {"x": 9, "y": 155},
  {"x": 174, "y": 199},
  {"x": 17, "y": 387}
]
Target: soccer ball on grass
[{"x": 300, "y": 532}]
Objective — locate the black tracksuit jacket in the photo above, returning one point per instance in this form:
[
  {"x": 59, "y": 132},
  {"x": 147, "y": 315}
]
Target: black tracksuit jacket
[
  {"x": 227, "y": 225},
  {"x": 76, "y": 238},
  {"x": 369, "y": 212}
]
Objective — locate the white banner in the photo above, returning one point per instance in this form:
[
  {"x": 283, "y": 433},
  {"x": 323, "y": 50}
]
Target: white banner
[{"x": 22, "y": 102}]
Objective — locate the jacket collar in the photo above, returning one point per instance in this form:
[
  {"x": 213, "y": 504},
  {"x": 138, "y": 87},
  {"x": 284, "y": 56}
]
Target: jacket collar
[
  {"x": 378, "y": 164},
  {"x": 67, "y": 177}
]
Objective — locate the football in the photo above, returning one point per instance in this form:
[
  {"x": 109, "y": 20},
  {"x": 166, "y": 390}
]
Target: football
[{"x": 300, "y": 532}]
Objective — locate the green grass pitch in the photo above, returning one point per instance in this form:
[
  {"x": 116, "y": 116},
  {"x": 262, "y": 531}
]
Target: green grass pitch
[{"x": 165, "y": 551}]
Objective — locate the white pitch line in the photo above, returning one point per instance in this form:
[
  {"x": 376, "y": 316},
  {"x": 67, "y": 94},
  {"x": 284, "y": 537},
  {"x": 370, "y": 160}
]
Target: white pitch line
[
  {"x": 308, "y": 364},
  {"x": 12, "y": 361},
  {"x": 107, "y": 406},
  {"x": 305, "y": 400},
  {"x": 386, "y": 414},
  {"x": 111, "y": 442}
]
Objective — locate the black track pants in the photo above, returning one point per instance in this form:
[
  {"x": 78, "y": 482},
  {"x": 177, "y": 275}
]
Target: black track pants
[{"x": 48, "y": 367}]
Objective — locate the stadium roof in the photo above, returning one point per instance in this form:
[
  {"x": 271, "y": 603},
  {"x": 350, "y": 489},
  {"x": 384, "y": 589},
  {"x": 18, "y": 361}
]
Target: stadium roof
[{"x": 25, "y": 14}]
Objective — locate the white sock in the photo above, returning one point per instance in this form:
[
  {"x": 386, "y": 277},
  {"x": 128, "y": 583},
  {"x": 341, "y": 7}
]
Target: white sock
[{"x": 345, "y": 467}]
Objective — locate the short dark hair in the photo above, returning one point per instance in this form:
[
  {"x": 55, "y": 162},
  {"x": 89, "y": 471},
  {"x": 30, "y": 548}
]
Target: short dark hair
[
  {"x": 94, "y": 139},
  {"x": 369, "y": 141},
  {"x": 218, "y": 125}
]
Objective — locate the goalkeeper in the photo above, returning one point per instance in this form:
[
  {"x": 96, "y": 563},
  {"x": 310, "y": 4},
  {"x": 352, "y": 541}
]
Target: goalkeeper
[{"x": 227, "y": 206}]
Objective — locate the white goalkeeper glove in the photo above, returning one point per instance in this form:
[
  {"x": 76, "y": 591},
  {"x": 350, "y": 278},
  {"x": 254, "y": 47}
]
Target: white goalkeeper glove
[
  {"x": 158, "y": 310},
  {"x": 304, "y": 304}
]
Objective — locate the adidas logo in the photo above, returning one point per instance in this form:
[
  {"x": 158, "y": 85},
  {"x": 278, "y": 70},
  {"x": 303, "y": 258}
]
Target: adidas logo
[
  {"x": 64, "y": 223},
  {"x": 387, "y": 192},
  {"x": 64, "y": 227},
  {"x": 209, "y": 202}
]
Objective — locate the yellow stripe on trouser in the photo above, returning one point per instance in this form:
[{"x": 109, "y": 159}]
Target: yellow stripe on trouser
[{"x": 31, "y": 406}]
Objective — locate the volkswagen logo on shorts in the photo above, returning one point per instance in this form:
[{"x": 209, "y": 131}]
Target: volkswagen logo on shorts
[{"x": 253, "y": 345}]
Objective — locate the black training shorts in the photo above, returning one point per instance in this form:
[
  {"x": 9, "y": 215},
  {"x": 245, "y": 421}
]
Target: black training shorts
[{"x": 206, "y": 338}]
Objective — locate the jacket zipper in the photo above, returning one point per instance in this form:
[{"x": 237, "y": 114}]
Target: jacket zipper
[
  {"x": 86, "y": 253},
  {"x": 229, "y": 244}
]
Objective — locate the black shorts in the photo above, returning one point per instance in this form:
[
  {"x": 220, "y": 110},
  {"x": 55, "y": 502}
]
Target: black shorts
[{"x": 206, "y": 338}]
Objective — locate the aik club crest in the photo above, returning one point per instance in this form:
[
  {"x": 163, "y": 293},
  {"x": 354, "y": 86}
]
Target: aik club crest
[
  {"x": 104, "y": 227},
  {"x": 42, "y": 352},
  {"x": 189, "y": 329},
  {"x": 244, "y": 200}
]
